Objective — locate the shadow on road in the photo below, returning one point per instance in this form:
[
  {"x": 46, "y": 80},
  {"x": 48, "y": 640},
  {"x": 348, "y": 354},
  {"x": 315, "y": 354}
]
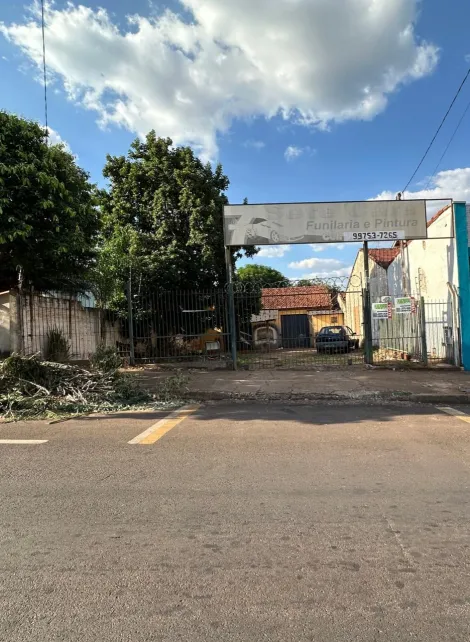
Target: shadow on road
[{"x": 314, "y": 414}]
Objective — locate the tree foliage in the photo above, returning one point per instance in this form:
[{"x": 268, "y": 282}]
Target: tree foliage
[
  {"x": 48, "y": 214},
  {"x": 163, "y": 218},
  {"x": 263, "y": 276}
]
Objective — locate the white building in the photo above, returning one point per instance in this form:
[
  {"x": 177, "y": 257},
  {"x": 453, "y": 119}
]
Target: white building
[
  {"x": 380, "y": 260},
  {"x": 427, "y": 269}
]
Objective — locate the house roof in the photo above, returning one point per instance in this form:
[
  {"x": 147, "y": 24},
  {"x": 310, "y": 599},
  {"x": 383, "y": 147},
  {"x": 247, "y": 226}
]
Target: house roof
[
  {"x": 428, "y": 224},
  {"x": 437, "y": 215},
  {"x": 308, "y": 296},
  {"x": 384, "y": 256}
]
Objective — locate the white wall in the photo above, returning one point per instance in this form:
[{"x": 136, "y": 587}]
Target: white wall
[
  {"x": 424, "y": 270},
  {"x": 4, "y": 322},
  {"x": 426, "y": 266},
  {"x": 378, "y": 283},
  {"x": 79, "y": 325}
]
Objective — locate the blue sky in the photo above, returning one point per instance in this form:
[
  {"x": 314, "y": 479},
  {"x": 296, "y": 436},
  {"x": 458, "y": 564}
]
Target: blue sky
[{"x": 301, "y": 100}]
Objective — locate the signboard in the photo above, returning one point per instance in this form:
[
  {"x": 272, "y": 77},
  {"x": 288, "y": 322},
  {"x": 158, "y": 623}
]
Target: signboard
[
  {"x": 405, "y": 305},
  {"x": 381, "y": 310},
  {"x": 277, "y": 224}
]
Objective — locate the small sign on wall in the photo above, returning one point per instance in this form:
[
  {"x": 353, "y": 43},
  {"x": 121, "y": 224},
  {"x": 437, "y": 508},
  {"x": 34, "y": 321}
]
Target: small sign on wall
[
  {"x": 405, "y": 305},
  {"x": 381, "y": 310}
]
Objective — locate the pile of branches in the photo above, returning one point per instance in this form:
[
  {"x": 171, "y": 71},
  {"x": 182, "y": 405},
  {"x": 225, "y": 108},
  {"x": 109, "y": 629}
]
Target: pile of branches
[{"x": 31, "y": 387}]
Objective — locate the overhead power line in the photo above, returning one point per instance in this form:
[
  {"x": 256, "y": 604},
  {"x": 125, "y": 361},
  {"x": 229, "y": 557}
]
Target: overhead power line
[
  {"x": 44, "y": 65},
  {"x": 438, "y": 130},
  {"x": 448, "y": 145}
]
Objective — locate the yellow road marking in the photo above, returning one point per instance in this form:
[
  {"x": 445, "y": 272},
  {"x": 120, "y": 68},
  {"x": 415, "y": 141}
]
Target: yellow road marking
[
  {"x": 158, "y": 430},
  {"x": 459, "y": 414}
]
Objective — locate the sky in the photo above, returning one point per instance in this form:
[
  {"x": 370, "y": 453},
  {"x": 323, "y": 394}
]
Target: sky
[{"x": 300, "y": 100}]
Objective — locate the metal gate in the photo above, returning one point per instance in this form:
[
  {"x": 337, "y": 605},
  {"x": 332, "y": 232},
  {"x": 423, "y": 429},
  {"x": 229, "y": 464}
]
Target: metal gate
[
  {"x": 283, "y": 325},
  {"x": 295, "y": 331},
  {"x": 425, "y": 336}
]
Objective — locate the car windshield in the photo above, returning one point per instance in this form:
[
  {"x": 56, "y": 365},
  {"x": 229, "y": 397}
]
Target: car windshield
[{"x": 333, "y": 330}]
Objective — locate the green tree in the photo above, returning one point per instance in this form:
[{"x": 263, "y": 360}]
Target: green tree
[
  {"x": 49, "y": 218},
  {"x": 263, "y": 276},
  {"x": 171, "y": 205}
]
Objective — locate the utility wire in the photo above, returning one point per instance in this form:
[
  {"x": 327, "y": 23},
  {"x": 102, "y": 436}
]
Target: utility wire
[
  {"x": 448, "y": 145},
  {"x": 438, "y": 130},
  {"x": 44, "y": 65}
]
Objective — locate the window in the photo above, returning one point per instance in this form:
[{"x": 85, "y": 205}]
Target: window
[
  {"x": 333, "y": 330},
  {"x": 334, "y": 319}
]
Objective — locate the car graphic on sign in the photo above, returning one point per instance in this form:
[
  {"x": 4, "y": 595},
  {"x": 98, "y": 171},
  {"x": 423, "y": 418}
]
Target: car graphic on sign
[{"x": 287, "y": 227}]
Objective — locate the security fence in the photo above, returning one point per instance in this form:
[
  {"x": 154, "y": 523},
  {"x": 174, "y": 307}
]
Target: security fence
[
  {"x": 298, "y": 324},
  {"x": 315, "y": 323}
]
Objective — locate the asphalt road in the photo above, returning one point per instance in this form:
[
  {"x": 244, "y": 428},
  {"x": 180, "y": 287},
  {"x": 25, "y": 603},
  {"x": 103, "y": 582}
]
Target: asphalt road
[{"x": 242, "y": 523}]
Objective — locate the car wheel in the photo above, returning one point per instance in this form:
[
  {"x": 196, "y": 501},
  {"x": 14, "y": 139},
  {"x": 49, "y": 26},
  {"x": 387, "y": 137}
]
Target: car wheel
[{"x": 275, "y": 237}]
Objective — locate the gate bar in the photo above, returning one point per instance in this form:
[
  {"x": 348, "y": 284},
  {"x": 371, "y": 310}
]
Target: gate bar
[
  {"x": 231, "y": 307},
  {"x": 368, "y": 353}
]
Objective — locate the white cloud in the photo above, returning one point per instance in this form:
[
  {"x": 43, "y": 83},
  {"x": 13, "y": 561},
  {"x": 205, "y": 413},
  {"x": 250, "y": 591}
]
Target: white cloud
[
  {"x": 56, "y": 139},
  {"x": 189, "y": 76},
  {"x": 451, "y": 183},
  {"x": 331, "y": 246},
  {"x": 292, "y": 152},
  {"x": 274, "y": 251},
  {"x": 255, "y": 144},
  {"x": 344, "y": 271},
  {"x": 320, "y": 264}
]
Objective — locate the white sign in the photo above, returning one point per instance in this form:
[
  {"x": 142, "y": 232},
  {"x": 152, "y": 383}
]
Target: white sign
[
  {"x": 381, "y": 310},
  {"x": 405, "y": 305},
  {"x": 277, "y": 224},
  {"x": 374, "y": 236},
  {"x": 265, "y": 315}
]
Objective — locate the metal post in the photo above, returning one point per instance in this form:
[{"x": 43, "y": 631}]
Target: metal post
[
  {"x": 366, "y": 307},
  {"x": 422, "y": 320},
  {"x": 130, "y": 320},
  {"x": 231, "y": 307},
  {"x": 365, "y": 252},
  {"x": 19, "y": 312}
]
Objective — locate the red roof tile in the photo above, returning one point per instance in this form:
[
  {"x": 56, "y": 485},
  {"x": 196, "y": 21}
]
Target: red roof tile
[
  {"x": 428, "y": 224},
  {"x": 384, "y": 256},
  {"x": 436, "y": 215},
  {"x": 304, "y": 297}
]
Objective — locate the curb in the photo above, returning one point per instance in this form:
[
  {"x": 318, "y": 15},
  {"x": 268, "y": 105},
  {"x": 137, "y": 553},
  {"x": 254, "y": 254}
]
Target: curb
[{"x": 367, "y": 397}]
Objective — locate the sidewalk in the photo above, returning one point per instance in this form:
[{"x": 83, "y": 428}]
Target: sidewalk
[{"x": 359, "y": 383}]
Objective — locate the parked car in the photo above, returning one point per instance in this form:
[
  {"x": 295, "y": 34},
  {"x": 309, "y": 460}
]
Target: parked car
[{"x": 336, "y": 338}]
